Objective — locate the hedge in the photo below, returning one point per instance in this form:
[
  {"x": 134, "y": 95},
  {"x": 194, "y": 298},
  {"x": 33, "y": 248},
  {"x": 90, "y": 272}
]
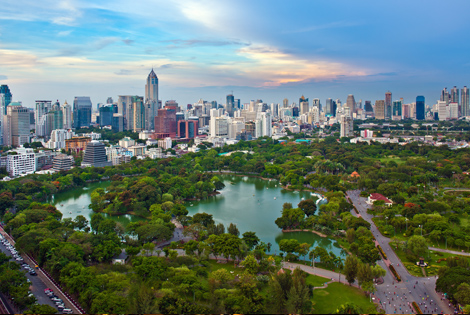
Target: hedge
[
  {"x": 417, "y": 308},
  {"x": 395, "y": 273},
  {"x": 382, "y": 252}
]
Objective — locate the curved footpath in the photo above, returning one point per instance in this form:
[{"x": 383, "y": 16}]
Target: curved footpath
[{"x": 411, "y": 288}]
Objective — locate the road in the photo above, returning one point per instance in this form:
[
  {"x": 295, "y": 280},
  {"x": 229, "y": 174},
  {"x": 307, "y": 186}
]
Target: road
[
  {"x": 37, "y": 286},
  {"x": 40, "y": 282},
  {"x": 417, "y": 289}
]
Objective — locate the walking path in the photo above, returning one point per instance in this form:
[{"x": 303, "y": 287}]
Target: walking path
[
  {"x": 395, "y": 295},
  {"x": 454, "y": 252}
]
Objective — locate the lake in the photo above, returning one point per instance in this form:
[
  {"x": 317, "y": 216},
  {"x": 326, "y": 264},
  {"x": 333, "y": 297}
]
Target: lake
[{"x": 253, "y": 204}]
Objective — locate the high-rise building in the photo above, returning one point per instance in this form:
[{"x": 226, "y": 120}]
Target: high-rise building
[
  {"x": 16, "y": 125},
  {"x": 388, "y": 105},
  {"x": 42, "y": 108},
  {"x": 420, "y": 108},
  {"x": 329, "y": 110},
  {"x": 218, "y": 127},
  {"x": 442, "y": 109},
  {"x": 266, "y": 124},
  {"x": 23, "y": 162},
  {"x": 67, "y": 114},
  {"x": 55, "y": 119},
  {"x": 303, "y": 104},
  {"x": 138, "y": 114},
  {"x": 81, "y": 112},
  {"x": 454, "y": 95},
  {"x": 397, "y": 110},
  {"x": 106, "y": 115},
  {"x": 151, "y": 99},
  {"x": 346, "y": 124},
  {"x": 62, "y": 162},
  {"x": 229, "y": 104},
  {"x": 95, "y": 155},
  {"x": 368, "y": 107},
  {"x": 464, "y": 102},
  {"x": 380, "y": 109},
  {"x": 351, "y": 103},
  {"x": 453, "y": 110},
  {"x": 165, "y": 123},
  {"x": 188, "y": 129},
  {"x": 5, "y": 90},
  {"x": 444, "y": 96},
  {"x": 316, "y": 102},
  {"x": 285, "y": 103}
]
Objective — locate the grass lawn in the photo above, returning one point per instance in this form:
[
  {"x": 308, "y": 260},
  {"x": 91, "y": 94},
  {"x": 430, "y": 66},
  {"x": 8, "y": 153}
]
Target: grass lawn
[
  {"x": 431, "y": 259},
  {"x": 326, "y": 301},
  {"x": 316, "y": 281},
  {"x": 229, "y": 266},
  {"x": 389, "y": 158}
]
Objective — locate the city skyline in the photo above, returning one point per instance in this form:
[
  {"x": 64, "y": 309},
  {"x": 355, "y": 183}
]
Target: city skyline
[{"x": 207, "y": 49}]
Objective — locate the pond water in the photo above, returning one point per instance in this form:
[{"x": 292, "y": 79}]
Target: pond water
[{"x": 253, "y": 204}]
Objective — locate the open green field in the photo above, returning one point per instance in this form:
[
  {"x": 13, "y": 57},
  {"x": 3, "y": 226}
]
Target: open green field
[
  {"x": 326, "y": 301},
  {"x": 316, "y": 281},
  {"x": 431, "y": 258},
  {"x": 389, "y": 158}
]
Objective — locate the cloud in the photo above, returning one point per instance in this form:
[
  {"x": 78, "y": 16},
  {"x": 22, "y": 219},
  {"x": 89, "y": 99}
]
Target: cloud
[
  {"x": 202, "y": 42},
  {"x": 312, "y": 28},
  {"x": 17, "y": 59},
  {"x": 64, "y": 33},
  {"x": 124, "y": 72},
  {"x": 3, "y": 77},
  {"x": 76, "y": 50},
  {"x": 272, "y": 67},
  {"x": 128, "y": 41}
]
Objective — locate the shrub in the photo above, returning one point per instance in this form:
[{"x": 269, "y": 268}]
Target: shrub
[
  {"x": 395, "y": 273},
  {"x": 417, "y": 308},
  {"x": 382, "y": 251}
]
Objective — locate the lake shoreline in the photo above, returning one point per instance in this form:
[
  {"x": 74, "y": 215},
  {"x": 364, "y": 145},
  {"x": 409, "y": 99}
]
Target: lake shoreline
[{"x": 305, "y": 230}]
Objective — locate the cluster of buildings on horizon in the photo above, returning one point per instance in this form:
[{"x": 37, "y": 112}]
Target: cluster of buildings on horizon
[{"x": 220, "y": 124}]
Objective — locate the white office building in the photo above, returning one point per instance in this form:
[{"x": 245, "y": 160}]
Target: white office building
[
  {"x": 58, "y": 137},
  {"x": 23, "y": 162},
  {"x": 442, "y": 110}
]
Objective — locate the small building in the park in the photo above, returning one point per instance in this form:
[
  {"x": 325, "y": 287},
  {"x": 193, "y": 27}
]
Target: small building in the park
[
  {"x": 354, "y": 175},
  {"x": 375, "y": 197}
]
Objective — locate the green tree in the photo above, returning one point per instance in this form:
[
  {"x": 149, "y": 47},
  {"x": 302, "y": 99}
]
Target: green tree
[
  {"x": 351, "y": 266},
  {"x": 250, "y": 264},
  {"x": 232, "y": 229},
  {"x": 308, "y": 206},
  {"x": 416, "y": 246},
  {"x": 250, "y": 239},
  {"x": 462, "y": 295},
  {"x": 41, "y": 309},
  {"x": 298, "y": 299}
]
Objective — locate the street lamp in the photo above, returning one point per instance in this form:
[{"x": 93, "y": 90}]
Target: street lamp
[
  {"x": 421, "y": 229},
  {"x": 386, "y": 220},
  {"x": 406, "y": 221}
]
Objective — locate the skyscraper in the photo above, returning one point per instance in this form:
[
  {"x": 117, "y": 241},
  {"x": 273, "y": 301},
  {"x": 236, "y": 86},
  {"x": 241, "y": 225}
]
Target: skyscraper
[
  {"x": 151, "y": 99},
  {"x": 351, "y": 103},
  {"x": 106, "y": 115},
  {"x": 42, "y": 108},
  {"x": 329, "y": 111},
  {"x": 81, "y": 112},
  {"x": 138, "y": 113},
  {"x": 445, "y": 96},
  {"x": 397, "y": 110},
  {"x": 420, "y": 107},
  {"x": 388, "y": 105},
  {"x": 303, "y": 104},
  {"x": 229, "y": 104},
  {"x": 380, "y": 109},
  {"x": 16, "y": 125},
  {"x": 316, "y": 102},
  {"x": 165, "y": 123},
  {"x": 454, "y": 95},
  {"x": 5, "y": 90},
  {"x": 67, "y": 114},
  {"x": 464, "y": 102},
  {"x": 285, "y": 103},
  {"x": 95, "y": 155}
]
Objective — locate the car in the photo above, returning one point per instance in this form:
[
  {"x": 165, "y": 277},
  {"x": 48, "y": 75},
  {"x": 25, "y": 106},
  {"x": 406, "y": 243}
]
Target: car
[
  {"x": 48, "y": 290},
  {"x": 60, "y": 308},
  {"x": 59, "y": 304},
  {"x": 56, "y": 299},
  {"x": 67, "y": 311},
  {"x": 53, "y": 296},
  {"x": 33, "y": 273},
  {"x": 18, "y": 259}
]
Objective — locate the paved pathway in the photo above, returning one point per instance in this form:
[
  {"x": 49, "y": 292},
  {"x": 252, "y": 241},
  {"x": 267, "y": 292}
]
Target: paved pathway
[
  {"x": 454, "y": 252},
  {"x": 420, "y": 290}
]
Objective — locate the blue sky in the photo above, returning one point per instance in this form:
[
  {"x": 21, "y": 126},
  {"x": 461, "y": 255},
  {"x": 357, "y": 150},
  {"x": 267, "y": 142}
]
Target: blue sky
[{"x": 267, "y": 50}]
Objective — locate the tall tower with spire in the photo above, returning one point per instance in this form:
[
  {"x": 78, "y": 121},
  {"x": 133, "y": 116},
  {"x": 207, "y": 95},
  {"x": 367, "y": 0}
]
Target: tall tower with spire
[{"x": 151, "y": 100}]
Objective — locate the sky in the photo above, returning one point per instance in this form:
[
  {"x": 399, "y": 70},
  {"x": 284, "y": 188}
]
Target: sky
[{"x": 263, "y": 49}]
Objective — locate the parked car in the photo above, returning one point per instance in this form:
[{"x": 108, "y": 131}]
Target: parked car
[
  {"x": 33, "y": 273},
  {"x": 67, "y": 311}
]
